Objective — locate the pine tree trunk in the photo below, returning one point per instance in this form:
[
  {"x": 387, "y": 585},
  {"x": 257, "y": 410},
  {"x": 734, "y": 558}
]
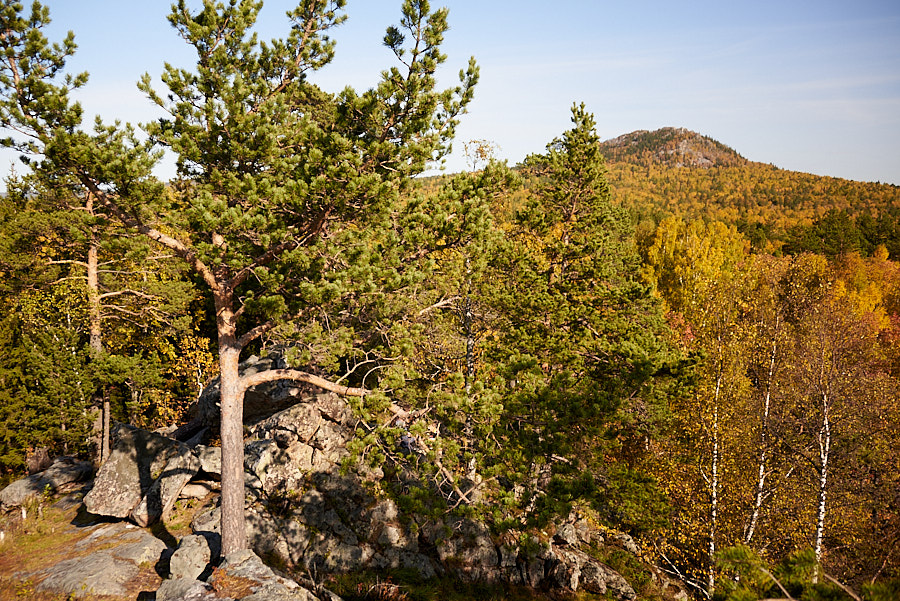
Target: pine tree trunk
[
  {"x": 93, "y": 285},
  {"x": 104, "y": 445},
  {"x": 95, "y": 333},
  {"x": 231, "y": 428}
]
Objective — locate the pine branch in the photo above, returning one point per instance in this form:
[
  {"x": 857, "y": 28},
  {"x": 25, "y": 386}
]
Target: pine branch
[{"x": 273, "y": 375}]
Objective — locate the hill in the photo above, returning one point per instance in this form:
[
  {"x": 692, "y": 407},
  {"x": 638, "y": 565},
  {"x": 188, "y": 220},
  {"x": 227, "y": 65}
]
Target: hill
[
  {"x": 670, "y": 146},
  {"x": 674, "y": 171}
]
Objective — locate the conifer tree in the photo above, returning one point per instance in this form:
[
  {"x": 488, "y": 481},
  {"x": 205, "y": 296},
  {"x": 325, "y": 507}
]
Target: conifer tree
[
  {"x": 287, "y": 193},
  {"x": 581, "y": 348}
]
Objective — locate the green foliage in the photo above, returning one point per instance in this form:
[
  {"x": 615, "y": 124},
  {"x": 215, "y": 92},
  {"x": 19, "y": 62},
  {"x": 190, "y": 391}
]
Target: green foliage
[
  {"x": 45, "y": 391},
  {"x": 579, "y": 347}
]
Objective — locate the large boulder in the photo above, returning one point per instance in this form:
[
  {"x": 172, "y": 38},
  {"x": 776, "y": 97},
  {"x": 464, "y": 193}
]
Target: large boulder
[
  {"x": 259, "y": 401},
  {"x": 107, "y": 562},
  {"x": 61, "y": 473},
  {"x": 243, "y": 575},
  {"x": 191, "y": 559},
  {"x": 142, "y": 477}
]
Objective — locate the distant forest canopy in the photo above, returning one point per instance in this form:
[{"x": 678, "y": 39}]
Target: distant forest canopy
[{"x": 678, "y": 172}]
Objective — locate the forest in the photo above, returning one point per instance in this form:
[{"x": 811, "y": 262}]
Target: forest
[{"x": 692, "y": 348}]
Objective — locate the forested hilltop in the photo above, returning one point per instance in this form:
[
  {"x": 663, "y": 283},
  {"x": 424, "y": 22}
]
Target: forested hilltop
[
  {"x": 651, "y": 335},
  {"x": 678, "y": 172}
]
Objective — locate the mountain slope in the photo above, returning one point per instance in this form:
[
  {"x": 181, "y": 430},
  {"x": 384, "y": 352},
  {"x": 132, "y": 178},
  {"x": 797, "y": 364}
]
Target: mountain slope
[{"x": 674, "y": 171}]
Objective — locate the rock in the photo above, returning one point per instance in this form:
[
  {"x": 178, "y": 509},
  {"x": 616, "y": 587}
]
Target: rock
[
  {"x": 260, "y": 401},
  {"x": 37, "y": 460},
  {"x": 63, "y": 471},
  {"x": 566, "y": 535},
  {"x": 624, "y": 541},
  {"x": 244, "y": 576},
  {"x": 142, "y": 477},
  {"x": 185, "y": 589},
  {"x": 198, "y": 490},
  {"x": 586, "y": 533},
  {"x": 139, "y": 547},
  {"x": 210, "y": 459},
  {"x": 161, "y": 497},
  {"x": 96, "y": 574},
  {"x": 191, "y": 558},
  {"x": 600, "y": 579}
]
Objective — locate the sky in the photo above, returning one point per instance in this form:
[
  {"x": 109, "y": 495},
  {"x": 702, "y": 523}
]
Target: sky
[{"x": 810, "y": 86}]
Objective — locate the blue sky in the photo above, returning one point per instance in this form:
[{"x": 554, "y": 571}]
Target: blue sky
[{"x": 808, "y": 86}]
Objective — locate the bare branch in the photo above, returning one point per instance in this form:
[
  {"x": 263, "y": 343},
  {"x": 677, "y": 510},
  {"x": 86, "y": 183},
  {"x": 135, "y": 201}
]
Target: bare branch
[
  {"x": 177, "y": 246},
  {"x": 438, "y": 305},
  {"x": 255, "y": 332},
  {"x": 834, "y": 580},
  {"x": 136, "y": 293},
  {"x": 273, "y": 375}
]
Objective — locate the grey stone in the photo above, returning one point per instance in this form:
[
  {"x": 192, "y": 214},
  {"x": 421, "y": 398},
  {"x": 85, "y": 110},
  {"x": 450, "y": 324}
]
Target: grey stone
[
  {"x": 391, "y": 536},
  {"x": 620, "y": 539},
  {"x": 266, "y": 585},
  {"x": 63, "y": 471},
  {"x": 348, "y": 558},
  {"x": 139, "y": 547},
  {"x": 191, "y": 558},
  {"x": 136, "y": 462},
  {"x": 161, "y": 497},
  {"x": 418, "y": 562},
  {"x": 600, "y": 579},
  {"x": 259, "y": 455},
  {"x": 534, "y": 572},
  {"x": 96, "y": 574},
  {"x": 384, "y": 511},
  {"x": 207, "y": 521},
  {"x": 586, "y": 533},
  {"x": 210, "y": 459},
  {"x": 198, "y": 490},
  {"x": 302, "y": 456},
  {"x": 566, "y": 535},
  {"x": 184, "y": 589}
]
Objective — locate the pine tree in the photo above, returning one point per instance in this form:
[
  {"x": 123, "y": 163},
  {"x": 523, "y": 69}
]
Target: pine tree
[
  {"x": 581, "y": 348},
  {"x": 285, "y": 206}
]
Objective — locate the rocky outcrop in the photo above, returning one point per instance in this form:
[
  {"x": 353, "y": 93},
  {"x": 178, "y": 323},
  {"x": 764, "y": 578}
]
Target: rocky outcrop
[
  {"x": 302, "y": 510},
  {"x": 64, "y": 471},
  {"x": 307, "y": 513},
  {"x": 110, "y": 558},
  {"x": 142, "y": 477},
  {"x": 242, "y": 576}
]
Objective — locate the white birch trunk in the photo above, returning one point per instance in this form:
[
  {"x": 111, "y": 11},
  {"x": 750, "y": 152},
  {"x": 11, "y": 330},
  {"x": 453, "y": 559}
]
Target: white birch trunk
[
  {"x": 764, "y": 449},
  {"x": 714, "y": 485},
  {"x": 824, "y": 452}
]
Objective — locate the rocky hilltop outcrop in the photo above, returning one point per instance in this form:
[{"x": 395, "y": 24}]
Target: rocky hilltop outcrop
[
  {"x": 308, "y": 515},
  {"x": 670, "y": 146}
]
